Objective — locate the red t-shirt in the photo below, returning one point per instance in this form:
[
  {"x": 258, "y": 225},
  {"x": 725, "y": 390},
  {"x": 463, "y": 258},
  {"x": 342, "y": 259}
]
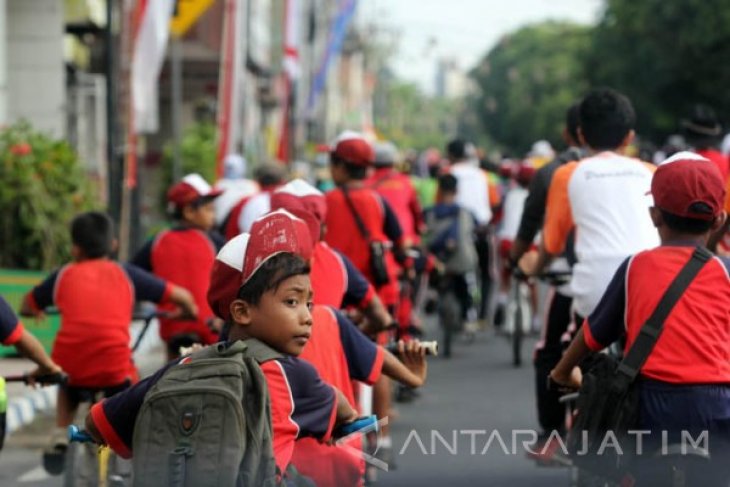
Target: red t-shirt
[
  {"x": 343, "y": 234},
  {"x": 694, "y": 347},
  {"x": 95, "y": 298},
  {"x": 185, "y": 257},
  {"x": 336, "y": 282},
  {"x": 398, "y": 191},
  {"x": 339, "y": 352}
]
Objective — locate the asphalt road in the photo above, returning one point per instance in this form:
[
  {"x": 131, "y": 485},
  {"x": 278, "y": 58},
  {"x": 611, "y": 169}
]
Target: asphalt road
[{"x": 467, "y": 399}]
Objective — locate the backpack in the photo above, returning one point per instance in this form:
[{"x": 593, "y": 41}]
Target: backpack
[{"x": 207, "y": 421}]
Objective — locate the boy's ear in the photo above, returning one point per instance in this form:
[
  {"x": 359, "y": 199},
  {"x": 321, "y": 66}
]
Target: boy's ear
[
  {"x": 76, "y": 252},
  {"x": 719, "y": 222},
  {"x": 114, "y": 246},
  {"x": 240, "y": 312},
  {"x": 627, "y": 140},
  {"x": 581, "y": 140},
  {"x": 656, "y": 216}
]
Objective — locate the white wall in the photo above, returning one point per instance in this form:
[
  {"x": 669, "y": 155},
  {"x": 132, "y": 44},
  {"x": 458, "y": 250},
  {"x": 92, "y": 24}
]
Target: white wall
[{"x": 35, "y": 69}]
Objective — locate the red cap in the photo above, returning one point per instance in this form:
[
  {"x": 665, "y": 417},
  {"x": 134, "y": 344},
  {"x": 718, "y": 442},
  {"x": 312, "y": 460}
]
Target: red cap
[
  {"x": 689, "y": 186},
  {"x": 352, "y": 148},
  {"x": 307, "y": 195},
  {"x": 191, "y": 188},
  {"x": 242, "y": 256}
]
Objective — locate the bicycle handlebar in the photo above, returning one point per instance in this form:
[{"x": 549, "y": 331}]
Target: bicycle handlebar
[
  {"x": 77, "y": 435},
  {"x": 572, "y": 397},
  {"x": 432, "y": 348},
  {"x": 366, "y": 422},
  {"x": 557, "y": 278},
  {"x": 47, "y": 379}
]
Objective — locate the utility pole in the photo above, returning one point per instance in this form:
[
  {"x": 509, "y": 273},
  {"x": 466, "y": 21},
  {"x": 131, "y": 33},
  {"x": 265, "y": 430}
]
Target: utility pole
[
  {"x": 177, "y": 88},
  {"x": 114, "y": 172}
]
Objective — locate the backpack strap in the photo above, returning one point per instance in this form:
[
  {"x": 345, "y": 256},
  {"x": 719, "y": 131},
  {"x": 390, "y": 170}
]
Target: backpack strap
[
  {"x": 652, "y": 329},
  {"x": 251, "y": 348},
  {"x": 358, "y": 221}
]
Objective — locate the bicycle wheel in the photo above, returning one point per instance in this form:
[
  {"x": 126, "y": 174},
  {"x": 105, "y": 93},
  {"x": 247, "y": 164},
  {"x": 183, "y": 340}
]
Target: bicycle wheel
[
  {"x": 518, "y": 330},
  {"x": 450, "y": 316}
]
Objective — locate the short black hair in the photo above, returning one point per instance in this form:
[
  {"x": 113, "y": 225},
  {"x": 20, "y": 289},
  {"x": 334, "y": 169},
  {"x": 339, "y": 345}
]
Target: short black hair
[
  {"x": 447, "y": 183},
  {"x": 354, "y": 171},
  {"x": 606, "y": 117},
  {"x": 177, "y": 211},
  {"x": 456, "y": 149},
  {"x": 271, "y": 274},
  {"x": 93, "y": 233},
  {"x": 692, "y": 226},
  {"x": 271, "y": 174},
  {"x": 572, "y": 121}
]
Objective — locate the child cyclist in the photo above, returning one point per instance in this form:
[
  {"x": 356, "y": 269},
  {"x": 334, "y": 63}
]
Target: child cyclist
[
  {"x": 95, "y": 296},
  {"x": 184, "y": 255},
  {"x": 450, "y": 238},
  {"x": 260, "y": 285},
  {"x": 684, "y": 385}
]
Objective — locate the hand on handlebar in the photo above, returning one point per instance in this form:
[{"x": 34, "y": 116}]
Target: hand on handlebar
[
  {"x": 413, "y": 356},
  {"x": 51, "y": 374},
  {"x": 567, "y": 383}
]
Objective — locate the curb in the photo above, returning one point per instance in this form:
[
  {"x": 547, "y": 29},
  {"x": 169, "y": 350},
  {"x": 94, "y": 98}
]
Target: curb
[{"x": 24, "y": 409}]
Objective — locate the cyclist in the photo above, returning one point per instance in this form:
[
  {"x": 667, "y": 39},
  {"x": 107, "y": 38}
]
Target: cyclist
[
  {"x": 450, "y": 237},
  {"x": 359, "y": 224},
  {"x": 514, "y": 204},
  {"x": 95, "y": 297},
  {"x": 13, "y": 333},
  {"x": 551, "y": 414},
  {"x": 685, "y": 383},
  {"x": 260, "y": 284},
  {"x": 184, "y": 256},
  {"x": 603, "y": 197}
]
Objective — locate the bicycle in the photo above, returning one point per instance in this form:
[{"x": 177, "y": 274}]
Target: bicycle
[
  {"x": 519, "y": 308},
  {"x": 75, "y": 460}
]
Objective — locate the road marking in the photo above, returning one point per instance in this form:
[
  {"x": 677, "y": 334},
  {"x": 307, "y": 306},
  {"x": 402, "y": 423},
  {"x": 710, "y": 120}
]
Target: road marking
[{"x": 38, "y": 474}]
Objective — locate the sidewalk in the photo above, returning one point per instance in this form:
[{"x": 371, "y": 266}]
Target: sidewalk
[{"x": 24, "y": 403}]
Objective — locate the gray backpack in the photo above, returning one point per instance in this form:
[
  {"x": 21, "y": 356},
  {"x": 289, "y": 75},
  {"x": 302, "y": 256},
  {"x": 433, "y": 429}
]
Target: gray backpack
[{"x": 207, "y": 422}]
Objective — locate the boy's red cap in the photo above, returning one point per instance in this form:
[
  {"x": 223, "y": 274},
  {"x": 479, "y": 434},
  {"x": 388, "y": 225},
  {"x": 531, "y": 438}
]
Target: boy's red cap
[
  {"x": 302, "y": 192},
  {"x": 352, "y": 148},
  {"x": 242, "y": 256},
  {"x": 189, "y": 189},
  {"x": 685, "y": 179}
]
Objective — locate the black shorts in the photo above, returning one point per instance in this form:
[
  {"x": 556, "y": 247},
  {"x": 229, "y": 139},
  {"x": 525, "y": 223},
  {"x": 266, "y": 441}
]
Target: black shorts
[{"x": 79, "y": 394}]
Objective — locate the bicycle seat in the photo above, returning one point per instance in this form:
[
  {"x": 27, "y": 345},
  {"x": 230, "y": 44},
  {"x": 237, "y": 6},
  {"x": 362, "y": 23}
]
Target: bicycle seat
[{"x": 184, "y": 340}]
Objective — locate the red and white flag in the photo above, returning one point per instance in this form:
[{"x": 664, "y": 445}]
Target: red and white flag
[
  {"x": 150, "y": 43},
  {"x": 230, "y": 83},
  {"x": 292, "y": 71}
]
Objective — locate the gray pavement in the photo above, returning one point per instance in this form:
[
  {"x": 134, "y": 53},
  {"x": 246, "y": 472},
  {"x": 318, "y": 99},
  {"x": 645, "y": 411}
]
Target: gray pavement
[{"x": 469, "y": 396}]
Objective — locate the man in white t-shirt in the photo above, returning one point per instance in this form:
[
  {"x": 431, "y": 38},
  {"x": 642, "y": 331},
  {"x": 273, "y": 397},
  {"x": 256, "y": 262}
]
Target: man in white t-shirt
[
  {"x": 473, "y": 188},
  {"x": 604, "y": 198}
]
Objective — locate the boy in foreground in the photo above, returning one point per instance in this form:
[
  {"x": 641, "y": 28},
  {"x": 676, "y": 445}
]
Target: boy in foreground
[{"x": 267, "y": 297}]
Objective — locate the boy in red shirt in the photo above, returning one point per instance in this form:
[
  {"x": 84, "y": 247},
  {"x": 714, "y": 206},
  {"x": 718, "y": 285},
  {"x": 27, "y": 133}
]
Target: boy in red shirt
[
  {"x": 184, "y": 255},
  {"x": 350, "y": 160},
  {"x": 685, "y": 382},
  {"x": 95, "y": 296},
  {"x": 260, "y": 286}
]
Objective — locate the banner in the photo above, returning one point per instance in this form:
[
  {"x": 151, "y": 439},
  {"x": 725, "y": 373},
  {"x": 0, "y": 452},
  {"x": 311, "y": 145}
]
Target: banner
[{"x": 337, "y": 34}]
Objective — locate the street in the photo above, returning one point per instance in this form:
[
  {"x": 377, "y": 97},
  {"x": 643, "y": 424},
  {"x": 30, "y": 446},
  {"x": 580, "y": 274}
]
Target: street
[{"x": 465, "y": 400}]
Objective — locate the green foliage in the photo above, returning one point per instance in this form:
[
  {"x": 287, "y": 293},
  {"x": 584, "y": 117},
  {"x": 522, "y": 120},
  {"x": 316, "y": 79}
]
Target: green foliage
[
  {"x": 411, "y": 120},
  {"x": 665, "y": 56},
  {"x": 198, "y": 153},
  {"x": 528, "y": 81},
  {"x": 42, "y": 187}
]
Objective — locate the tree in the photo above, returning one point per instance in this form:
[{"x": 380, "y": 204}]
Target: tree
[
  {"x": 410, "y": 119},
  {"x": 527, "y": 82},
  {"x": 42, "y": 186},
  {"x": 666, "y": 56}
]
